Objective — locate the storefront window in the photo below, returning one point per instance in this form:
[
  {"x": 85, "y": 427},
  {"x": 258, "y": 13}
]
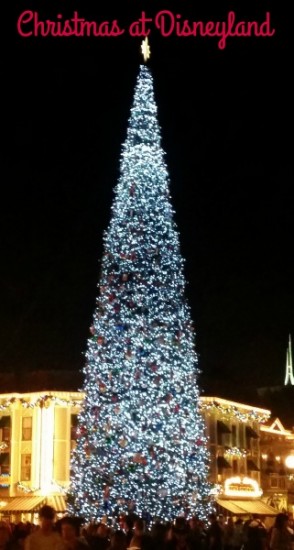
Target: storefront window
[
  {"x": 274, "y": 482},
  {"x": 25, "y": 474},
  {"x": 5, "y": 434},
  {"x": 27, "y": 428},
  {"x": 4, "y": 463},
  {"x": 5, "y": 427}
]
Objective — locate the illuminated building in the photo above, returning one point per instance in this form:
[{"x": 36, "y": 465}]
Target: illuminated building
[
  {"x": 36, "y": 437},
  {"x": 277, "y": 465},
  {"x": 234, "y": 432},
  {"x": 37, "y": 433}
]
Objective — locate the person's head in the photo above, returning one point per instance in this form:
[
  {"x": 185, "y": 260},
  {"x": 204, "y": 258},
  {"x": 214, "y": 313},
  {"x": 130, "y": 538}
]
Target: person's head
[
  {"x": 212, "y": 518},
  {"x": 20, "y": 537},
  {"x": 139, "y": 527},
  {"x": 126, "y": 523},
  {"x": 102, "y": 531},
  {"x": 281, "y": 521},
  {"x": 46, "y": 516},
  {"x": 69, "y": 529},
  {"x": 135, "y": 543},
  {"x": 180, "y": 530},
  {"x": 118, "y": 541},
  {"x": 221, "y": 519},
  {"x": 194, "y": 522},
  {"x": 158, "y": 531}
]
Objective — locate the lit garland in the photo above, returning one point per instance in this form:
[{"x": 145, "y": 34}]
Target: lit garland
[
  {"x": 24, "y": 488},
  {"x": 40, "y": 401},
  {"x": 235, "y": 452},
  {"x": 57, "y": 487},
  {"x": 232, "y": 411},
  {"x": 216, "y": 490},
  {"x": 3, "y": 446},
  {"x": 141, "y": 437}
]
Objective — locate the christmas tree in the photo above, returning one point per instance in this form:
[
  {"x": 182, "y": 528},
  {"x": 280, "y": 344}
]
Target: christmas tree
[{"x": 141, "y": 439}]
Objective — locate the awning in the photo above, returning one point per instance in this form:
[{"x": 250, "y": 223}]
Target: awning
[
  {"x": 245, "y": 507},
  {"x": 251, "y": 433},
  {"x": 23, "y": 504},
  {"x": 258, "y": 507},
  {"x": 223, "y": 428},
  {"x": 57, "y": 502},
  {"x": 5, "y": 422},
  {"x": 222, "y": 462},
  {"x": 251, "y": 466},
  {"x": 231, "y": 506}
]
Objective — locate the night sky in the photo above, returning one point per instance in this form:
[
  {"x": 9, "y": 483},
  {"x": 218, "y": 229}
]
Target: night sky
[{"x": 224, "y": 117}]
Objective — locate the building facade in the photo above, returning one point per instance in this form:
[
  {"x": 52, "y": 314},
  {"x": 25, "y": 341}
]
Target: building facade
[
  {"x": 233, "y": 430},
  {"x": 38, "y": 432},
  {"x": 277, "y": 465}
]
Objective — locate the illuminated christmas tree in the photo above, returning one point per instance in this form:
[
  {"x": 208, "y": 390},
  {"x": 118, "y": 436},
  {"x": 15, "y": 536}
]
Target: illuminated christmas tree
[{"x": 141, "y": 438}]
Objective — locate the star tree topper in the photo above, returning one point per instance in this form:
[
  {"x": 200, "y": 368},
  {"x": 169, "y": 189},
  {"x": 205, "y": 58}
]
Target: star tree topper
[{"x": 145, "y": 49}]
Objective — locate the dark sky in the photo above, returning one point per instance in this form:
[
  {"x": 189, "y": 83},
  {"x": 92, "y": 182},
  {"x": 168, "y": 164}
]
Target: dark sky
[{"x": 224, "y": 117}]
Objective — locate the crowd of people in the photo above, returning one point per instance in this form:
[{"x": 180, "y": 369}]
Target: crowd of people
[{"x": 131, "y": 533}]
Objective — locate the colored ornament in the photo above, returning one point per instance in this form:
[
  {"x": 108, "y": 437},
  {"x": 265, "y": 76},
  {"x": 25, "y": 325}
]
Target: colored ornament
[{"x": 137, "y": 458}]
